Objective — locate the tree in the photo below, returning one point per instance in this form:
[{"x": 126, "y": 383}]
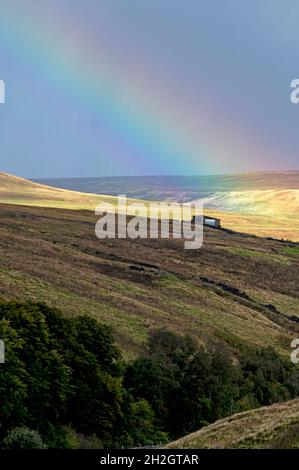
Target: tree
[{"x": 23, "y": 438}]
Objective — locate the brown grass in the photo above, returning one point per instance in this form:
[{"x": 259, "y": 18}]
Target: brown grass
[
  {"x": 53, "y": 256},
  {"x": 274, "y": 426}
]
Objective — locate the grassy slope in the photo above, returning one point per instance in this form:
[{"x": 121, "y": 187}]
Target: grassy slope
[
  {"x": 236, "y": 290},
  {"x": 261, "y": 225},
  {"x": 270, "y": 202},
  {"x": 14, "y": 190},
  {"x": 275, "y": 426},
  {"x": 263, "y": 212}
]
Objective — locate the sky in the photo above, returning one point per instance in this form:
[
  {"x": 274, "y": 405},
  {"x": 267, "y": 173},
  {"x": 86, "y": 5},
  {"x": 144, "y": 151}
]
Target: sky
[{"x": 148, "y": 87}]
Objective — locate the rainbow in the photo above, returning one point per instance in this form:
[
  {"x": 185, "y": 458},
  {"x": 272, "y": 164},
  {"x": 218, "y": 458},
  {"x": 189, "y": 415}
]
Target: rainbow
[{"x": 141, "y": 125}]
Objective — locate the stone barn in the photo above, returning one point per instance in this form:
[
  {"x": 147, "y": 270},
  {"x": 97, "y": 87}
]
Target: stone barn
[{"x": 208, "y": 221}]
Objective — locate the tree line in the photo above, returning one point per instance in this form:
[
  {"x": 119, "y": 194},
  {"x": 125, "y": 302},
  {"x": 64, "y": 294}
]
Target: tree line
[{"x": 64, "y": 383}]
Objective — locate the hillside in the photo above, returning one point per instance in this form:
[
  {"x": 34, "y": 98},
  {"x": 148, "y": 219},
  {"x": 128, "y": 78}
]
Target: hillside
[
  {"x": 236, "y": 290},
  {"x": 263, "y": 222},
  {"x": 275, "y": 426},
  {"x": 282, "y": 203},
  {"x": 16, "y": 190}
]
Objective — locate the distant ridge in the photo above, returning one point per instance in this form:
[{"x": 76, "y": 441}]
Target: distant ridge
[
  {"x": 204, "y": 183},
  {"x": 274, "y": 194}
]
